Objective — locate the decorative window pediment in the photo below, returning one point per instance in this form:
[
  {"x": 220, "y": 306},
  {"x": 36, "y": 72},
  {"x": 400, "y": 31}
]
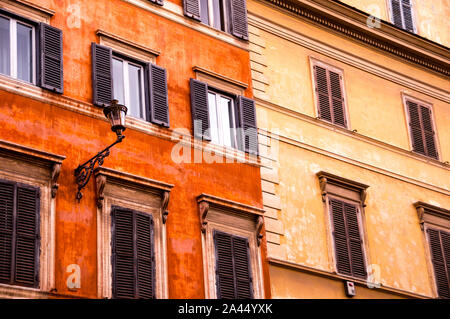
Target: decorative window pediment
[{"x": 432, "y": 215}]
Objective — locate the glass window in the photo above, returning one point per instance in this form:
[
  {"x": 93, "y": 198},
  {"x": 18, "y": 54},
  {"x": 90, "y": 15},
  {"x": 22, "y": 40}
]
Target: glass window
[
  {"x": 24, "y": 49},
  {"x": 5, "y": 50},
  {"x": 221, "y": 117},
  {"x": 212, "y": 12},
  {"x": 128, "y": 79}
]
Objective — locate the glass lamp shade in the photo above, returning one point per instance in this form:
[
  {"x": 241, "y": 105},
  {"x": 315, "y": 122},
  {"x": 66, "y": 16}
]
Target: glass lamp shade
[{"x": 116, "y": 113}]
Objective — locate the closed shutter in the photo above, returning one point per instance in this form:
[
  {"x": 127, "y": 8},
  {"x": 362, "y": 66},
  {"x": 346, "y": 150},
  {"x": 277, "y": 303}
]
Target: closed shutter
[
  {"x": 158, "y": 96},
  {"x": 397, "y": 13},
  {"x": 330, "y": 96},
  {"x": 102, "y": 81},
  {"x": 440, "y": 256},
  {"x": 233, "y": 274},
  {"x": 19, "y": 234},
  {"x": 239, "y": 26},
  {"x": 191, "y": 9},
  {"x": 348, "y": 243},
  {"x": 132, "y": 254},
  {"x": 402, "y": 14},
  {"x": 51, "y": 58},
  {"x": 421, "y": 128},
  {"x": 248, "y": 123},
  {"x": 158, "y": 2},
  {"x": 200, "y": 111}
]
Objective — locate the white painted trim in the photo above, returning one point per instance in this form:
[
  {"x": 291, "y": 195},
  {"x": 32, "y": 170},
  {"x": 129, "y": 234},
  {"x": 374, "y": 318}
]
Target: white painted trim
[{"x": 28, "y": 10}]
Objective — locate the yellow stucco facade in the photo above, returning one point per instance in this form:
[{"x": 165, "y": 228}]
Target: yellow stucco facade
[{"x": 375, "y": 149}]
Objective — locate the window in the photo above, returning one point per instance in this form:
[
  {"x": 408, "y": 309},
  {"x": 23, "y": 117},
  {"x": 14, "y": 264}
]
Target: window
[
  {"x": 19, "y": 234},
  {"x": 402, "y": 14},
  {"x": 421, "y": 127},
  {"x": 344, "y": 201},
  {"x": 132, "y": 254},
  {"x": 329, "y": 90},
  {"x": 224, "y": 119},
  {"x": 25, "y": 44},
  {"x": 226, "y": 15},
  {"x": 140, "y": 86},
  {"x": 231, "y": 238}
]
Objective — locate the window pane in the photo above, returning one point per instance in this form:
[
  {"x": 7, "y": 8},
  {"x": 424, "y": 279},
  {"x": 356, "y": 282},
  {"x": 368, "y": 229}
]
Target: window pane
[
  {"x": 204, "y": 15},
  {"x": 225, "y": 119},
  {"x": 24, "y": 52},
  {"x": 214, "y": 129},
  {"x": 218, "y": 14},
  {"x": 118, "y": 81},
  {"x": 4, "y": 46},
  {"x": 135, "y": 108}
]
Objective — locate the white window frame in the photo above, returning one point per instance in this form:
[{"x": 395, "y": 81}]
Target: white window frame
[
  {"x": 126, "y": 84},
  {"x": 220, "y": 116},
  {"x": 413, "y": 14},
  {"x": 13, "y": 48},
  {"x": 225, "y": 15}
]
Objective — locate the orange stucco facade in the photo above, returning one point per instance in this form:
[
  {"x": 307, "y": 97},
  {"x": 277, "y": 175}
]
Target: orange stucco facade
[{"x": 52, "y": 128}]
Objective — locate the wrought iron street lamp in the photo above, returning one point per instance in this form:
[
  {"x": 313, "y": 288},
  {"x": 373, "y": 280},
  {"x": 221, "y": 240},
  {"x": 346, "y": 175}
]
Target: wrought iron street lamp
[{"x": 116, "y": 114}]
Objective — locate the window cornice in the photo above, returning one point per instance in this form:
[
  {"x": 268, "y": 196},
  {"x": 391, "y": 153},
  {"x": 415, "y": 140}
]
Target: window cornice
[
  {"x": 327, "y": 179},
  {"x": 28, "y": 10},
  {"x": 431, "y": 214}
]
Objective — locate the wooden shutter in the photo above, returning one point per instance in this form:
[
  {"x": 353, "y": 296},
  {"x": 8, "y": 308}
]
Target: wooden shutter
[
  {"x": 330, "y": 97},
  {"x": 199, "y": 108},
  {"x": 158, "y": 2},
  {"x": 51, "y": 58},
  {"x": 132, "y": 254},
  {"x": 233, "y": 275},
  {"x": 102, "y": 81},
  {"x": 440, "y": 256},
  {"x": 19, "y": 234},
  {"x": 421, "y": 128},
  {"x": 191, "y": 9},
  {"x": 239, "y": 25},
  {"x": 247, "y": 113},
  {"x": 407, "y": 15},
  {"x": 348, "y": 243},
  {"x": 397, "y": 13},
  {"x": 158, "y": 95}
]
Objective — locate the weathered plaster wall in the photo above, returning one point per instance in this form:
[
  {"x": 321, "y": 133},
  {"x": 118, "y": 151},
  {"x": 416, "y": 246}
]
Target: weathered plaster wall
[{"x": 53, "y": 129}]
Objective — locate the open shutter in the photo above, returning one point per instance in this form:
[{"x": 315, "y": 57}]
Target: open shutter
[
  {"x": 440, "y": 257},
  {"x": 357, "y": 260},
  {"x": 27, "y": 236},
  {"x": 340, "y": 237},
  {"x": 233, "y": 275},
  {"x": 323, "y": 98},
  {"x": 248, "y": 123},
  {"x": 428, "y": 132},
  {"x": 51, "y": 58},
  {"x": 192, "y": 9},
  {"x": 239, "y": 25},
  {"x": 407, "y": 15},
  {"x": 158, "y": 96},
  {"x": 124, "y": 285},
  {"x": 200, "y": 111},
  {"x": 397, "y": 13},
  {"x": 337, "y": 99},
  {"x": 6, "y": 230},
  {"x": 102, "y": 82},
  {"x": 158, "y": 2},
  {"x": 145, "y": 256}
]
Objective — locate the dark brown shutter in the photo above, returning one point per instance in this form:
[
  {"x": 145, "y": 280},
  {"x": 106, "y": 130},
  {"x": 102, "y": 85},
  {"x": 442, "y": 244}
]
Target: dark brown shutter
[
  {"x": 428, "y": 131},
  {"x": 248, "y": 123},
  {"x": 6, "y": 230},
  {"x": 158, "y": 2},
  {"x": 337, "y": 100},
  {"x": 239, "y": 26},
  {"x": 421, "y": 128},
  {"x": 132, "y": 254},
  {"x": 233, "y": 275},
  {"x": 323, "y": 98},
  {"x": 348, "y": 243},
  {"x": 102, "y": 82},
  {"x": 192, "y": 9},
  {"x": 397, "y": 13},
  {"x": 440, "y": 257},
  {"x": 407, "y": 15},
  {"x": 159, "y": 103},
  {"x": 51, "y": 58},
  {"x": 200, "y": 111}
]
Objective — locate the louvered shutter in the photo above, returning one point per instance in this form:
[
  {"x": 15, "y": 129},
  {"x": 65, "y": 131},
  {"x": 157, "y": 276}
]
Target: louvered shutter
[
  {"x": 440, "y": 256},
  {"x": 337, "y": 100},
  {"x": 239, "y": 25},
  {"x": 27, "y": 237},
  {"x": 158, "y": 2},
  {"x": 158, "y": 96},
  {"x": 422, "y": 131},
  {"x": 132, "y": 254},
  {"x": 348, "y": 243},
  {"x": 192, "y": 9},
  {"x": 397, "y": 13},
  {"x": 233, "y": 275},
  {"x": 248, "y": 123},
  {"x": 102, "y": 81},
  {"x": 407, "y": 15},
  {"x": 415, "y": 127},
  {"x": 6, "y": 230},
  {"x": 322, "y": 93},
  {"x": 428, "y": 132},
  {"x": 51, "y": 58},
  {"x": 200, "y": 111}
]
